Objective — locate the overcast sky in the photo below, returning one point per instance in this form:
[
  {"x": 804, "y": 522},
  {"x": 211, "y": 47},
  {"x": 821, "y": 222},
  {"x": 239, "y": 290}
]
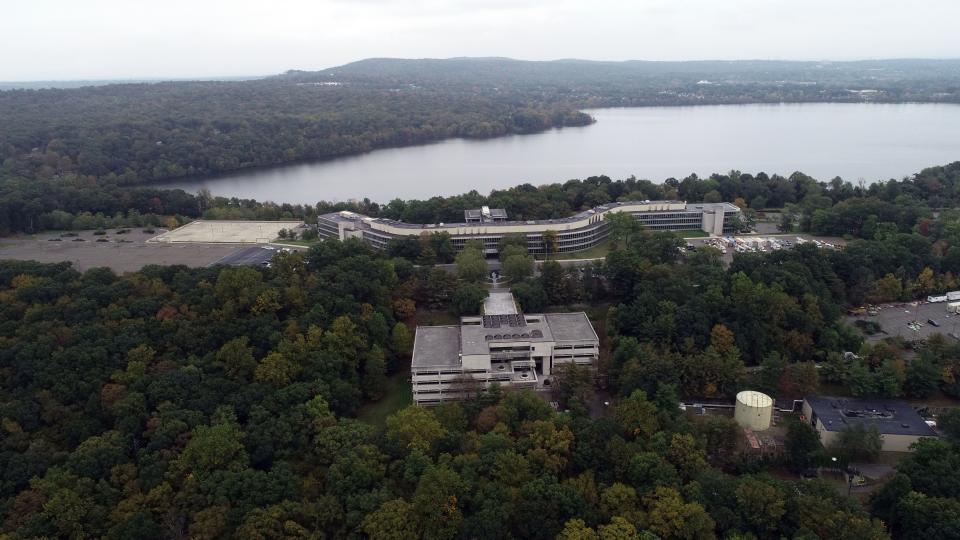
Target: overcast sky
[{"x": 104, "y": 39}]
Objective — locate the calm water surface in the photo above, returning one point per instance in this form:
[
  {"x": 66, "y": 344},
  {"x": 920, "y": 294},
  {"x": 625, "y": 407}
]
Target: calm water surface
[{"x": 854, "y": 141}]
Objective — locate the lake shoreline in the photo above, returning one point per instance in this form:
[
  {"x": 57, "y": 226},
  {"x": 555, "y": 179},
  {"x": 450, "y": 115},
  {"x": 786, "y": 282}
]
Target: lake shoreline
[{"x": 869, "y": 141}]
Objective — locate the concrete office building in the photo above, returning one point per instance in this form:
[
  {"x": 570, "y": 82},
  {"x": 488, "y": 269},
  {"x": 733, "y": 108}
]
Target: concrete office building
[
  {"x": 576, "y": 233},
  {"x": 899, "y": 425},
  {"x": 502, "y": 346}
]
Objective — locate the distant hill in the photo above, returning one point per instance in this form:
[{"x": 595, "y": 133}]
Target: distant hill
[
  {"x": 38, "y": 85},
  {"x": 144, "y": 132},
  {"x": 574, "y": 71}
]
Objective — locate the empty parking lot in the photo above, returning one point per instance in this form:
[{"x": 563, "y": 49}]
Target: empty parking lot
[
  {"x": 120, "y": 252},
  {"x": 894, "y": 320},
  {"x": 226, "y": 232}
]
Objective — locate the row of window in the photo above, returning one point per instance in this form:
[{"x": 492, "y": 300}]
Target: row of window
[{"x": 580, "y": 239}]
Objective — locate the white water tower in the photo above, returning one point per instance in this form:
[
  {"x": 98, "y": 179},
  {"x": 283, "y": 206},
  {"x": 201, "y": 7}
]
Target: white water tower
[{"x": 754, "y": 410}]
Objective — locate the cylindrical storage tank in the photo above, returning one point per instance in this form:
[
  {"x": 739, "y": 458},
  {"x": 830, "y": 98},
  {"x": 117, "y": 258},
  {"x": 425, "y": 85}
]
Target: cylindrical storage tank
[{"x": 753, "y": 410}]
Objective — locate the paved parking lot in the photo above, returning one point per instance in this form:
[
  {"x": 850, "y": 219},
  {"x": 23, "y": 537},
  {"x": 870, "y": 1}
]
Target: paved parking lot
[
  {"x": 727, "y": 257},
  {"x": 250, "y": 256},
  {"x": 120, "y": 252},
  {"x": 894, "y": 320},
  {"x": 230, "y": 232}
]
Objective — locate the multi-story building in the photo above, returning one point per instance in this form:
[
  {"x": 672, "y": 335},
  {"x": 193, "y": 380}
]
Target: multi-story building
[
  {"x": 575, "y": 233},
  {"x": 502, "y": 346}
]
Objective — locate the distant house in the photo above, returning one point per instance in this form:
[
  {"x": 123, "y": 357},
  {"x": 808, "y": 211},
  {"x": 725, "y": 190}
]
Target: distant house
[{"x": 899, "y": 424}]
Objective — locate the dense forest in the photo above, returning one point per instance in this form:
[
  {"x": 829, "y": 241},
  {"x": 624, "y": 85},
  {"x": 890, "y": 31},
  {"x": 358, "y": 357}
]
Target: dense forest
[
  {"x": 222, "y": 402},
  {"x": 143, "y": 132}
]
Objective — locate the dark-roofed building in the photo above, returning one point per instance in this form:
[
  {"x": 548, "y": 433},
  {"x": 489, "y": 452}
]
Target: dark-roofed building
[
  {"x": 502, "y": 346},
  {"x": 899, "y": 424}
]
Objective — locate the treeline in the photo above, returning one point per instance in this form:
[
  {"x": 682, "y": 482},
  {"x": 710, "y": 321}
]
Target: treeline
[
  {"x": 76, "y": 203},
  {"x": 834, "y": 207},
  {"x": 137, "y": 133}
]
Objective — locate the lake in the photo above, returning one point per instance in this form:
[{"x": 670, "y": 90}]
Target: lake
[{"x": 855, "y": 141}]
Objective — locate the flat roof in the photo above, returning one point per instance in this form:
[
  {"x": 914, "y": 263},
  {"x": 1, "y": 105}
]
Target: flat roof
[
  {"x": 691, "y": 208},
  {"x": 571, "y": 326},
  {"x": 475, "y": 339},
  {"x": 499, "y": 303},
  {"x": 889, "y": 416},
  {"x": 436, "y": 346}
]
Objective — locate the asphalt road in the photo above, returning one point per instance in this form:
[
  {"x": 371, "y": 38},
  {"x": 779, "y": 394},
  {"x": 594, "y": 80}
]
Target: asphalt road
[{"x": 249, "y": 256}]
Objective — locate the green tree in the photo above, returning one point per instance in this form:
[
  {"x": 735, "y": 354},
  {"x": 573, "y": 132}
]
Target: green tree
[
  {"x": 672, "y": 519},
  {"x": 468, "y": 299},
  {"x": 576, "y": 529},
  {"x": 237, "y": 358},
  {"x": 922, "y": 378},
  {"x": 553, "y": 281},
  {"x": 394, "y": 520},
  {"x": 436, "y": 503},
  {"x": 623, "y": 227},
  {"x": 761, "y": 504},
  {"x": 551, "y": 242},
  {"x": 276, "y": 369},
  {"x": 803, "y": 446},
  {"x": 858, "y": 442},
  {"x": 414, "y": 428},
  {"x": 922, "y": 517},
  {"x": 375, "y": 373},
  {"x": 401, "y": 343},
  {"x": 516, "y": 264},
  {"x": 471, "y": 265},
  {"x": 637, "y": 416}
]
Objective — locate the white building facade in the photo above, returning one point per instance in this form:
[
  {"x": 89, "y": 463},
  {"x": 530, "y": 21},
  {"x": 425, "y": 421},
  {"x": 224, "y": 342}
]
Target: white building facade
[
  {"x": 511, "y": 349},
  {"x": 575, "y": 233}
]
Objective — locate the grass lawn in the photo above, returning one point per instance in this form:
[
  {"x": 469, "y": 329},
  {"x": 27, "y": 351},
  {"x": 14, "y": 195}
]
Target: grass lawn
[
  {"x": 396, "y": 397},
  {"x": 304, "y": 243},
  {"x": 691, "y": 234}
]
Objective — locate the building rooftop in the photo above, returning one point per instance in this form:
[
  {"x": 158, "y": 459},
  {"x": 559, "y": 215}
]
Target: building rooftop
[
  {"x": 890, "y": 416},
  {"x": 442, "y": 346},
  {"x": 476, "y": 339},
  {"x": 693, "y": 207},
  {"x": 485, "y": 213},
  {"x": 571, "y": 327},
  {"x": 436, "y": 346}
]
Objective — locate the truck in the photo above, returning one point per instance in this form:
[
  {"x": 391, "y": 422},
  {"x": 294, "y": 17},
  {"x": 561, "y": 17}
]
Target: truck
[
  {"x": 953, "y": 296},
  {"x": 937, "y": 299},
  {"x": 953, "y": 307}
]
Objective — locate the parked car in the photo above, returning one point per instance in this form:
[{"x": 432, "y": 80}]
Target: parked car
[{"x": 933, "y": 322}]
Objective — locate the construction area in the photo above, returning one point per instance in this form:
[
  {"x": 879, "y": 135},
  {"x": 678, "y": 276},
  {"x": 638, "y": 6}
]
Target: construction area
[{"x": 227, "y": 232}]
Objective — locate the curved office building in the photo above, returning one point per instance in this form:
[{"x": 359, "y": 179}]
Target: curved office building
[{"x": 575, "y": 233}]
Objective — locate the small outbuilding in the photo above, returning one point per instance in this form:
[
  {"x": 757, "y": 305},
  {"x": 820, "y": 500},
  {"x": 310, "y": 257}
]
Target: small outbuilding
[{"x": 899, "y": 424}]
